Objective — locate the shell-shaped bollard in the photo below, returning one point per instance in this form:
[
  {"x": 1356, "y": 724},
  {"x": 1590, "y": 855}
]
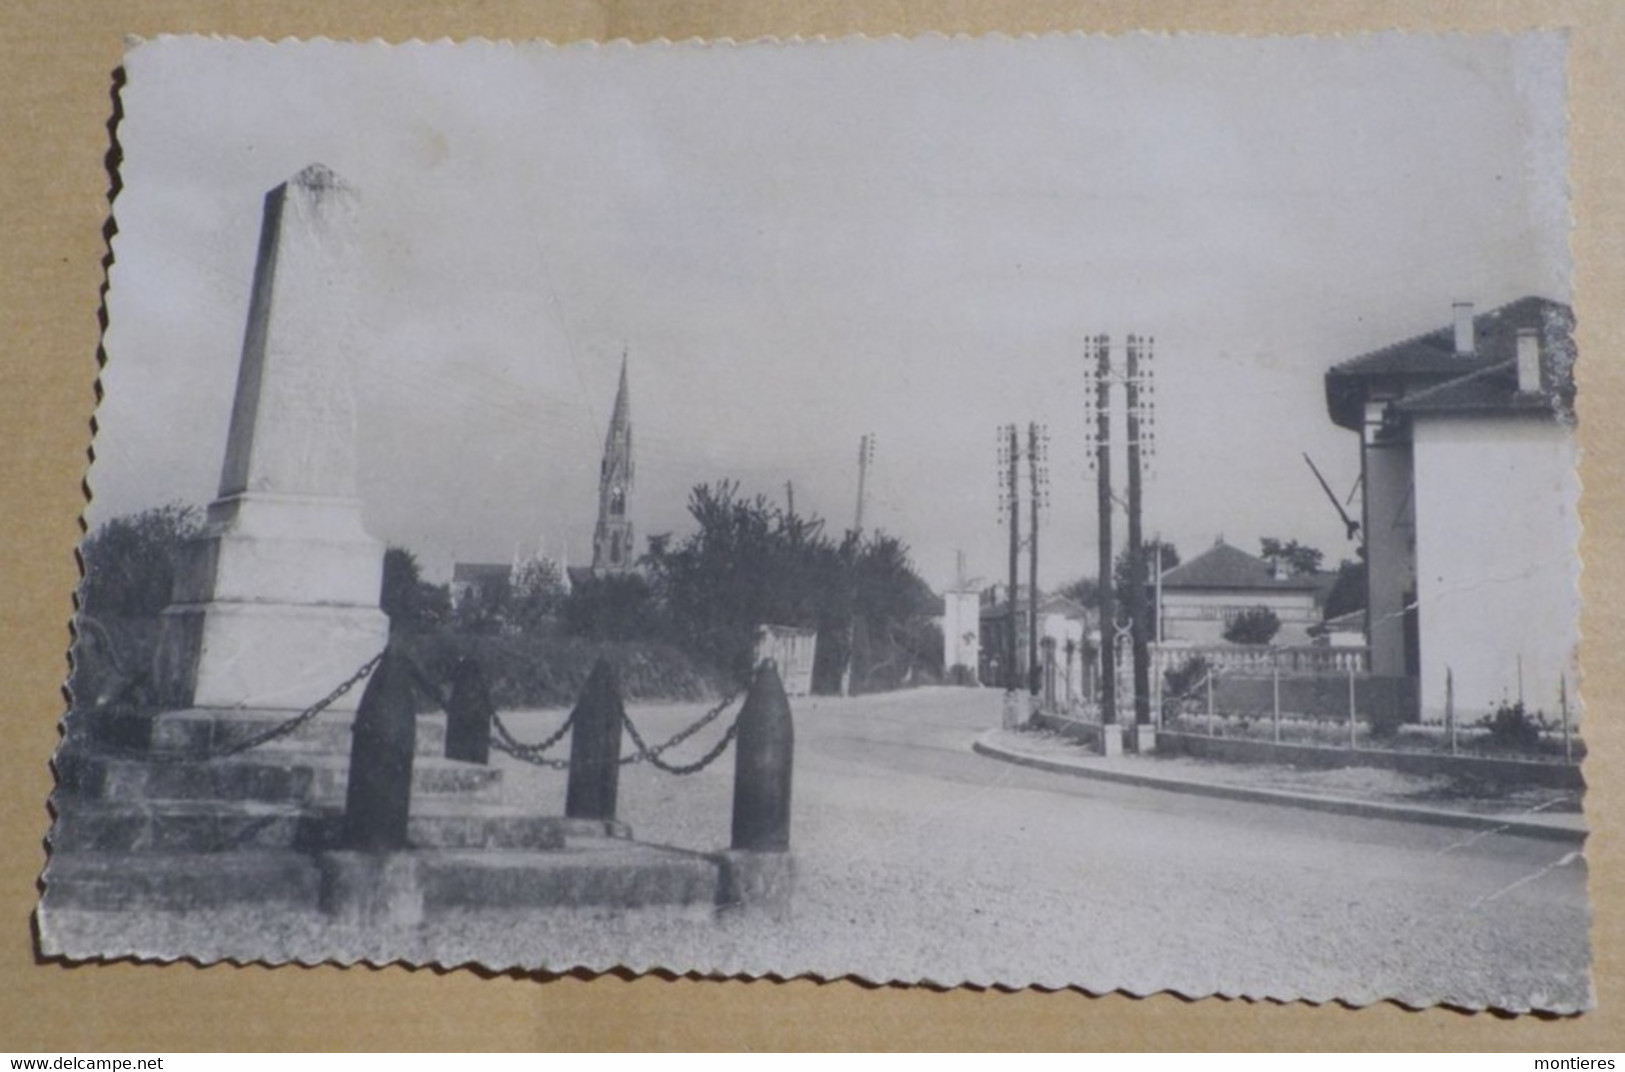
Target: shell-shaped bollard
[
  {"x": 378, "y": 798},
  {"x": 468, "y": 714},
  {"x": 595, "y": 747},
  {"x": 764, "y": 754}
]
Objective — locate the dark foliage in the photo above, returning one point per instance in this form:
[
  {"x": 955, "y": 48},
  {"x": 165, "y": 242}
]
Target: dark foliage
[
  {"x": 1255, "y": 625},
  {"x": 751, "y": 563},
  {"x": 1513, "y": 727},
  {"x": 1348, "y": 591},
  {"x": 1297, "y": 559},
  {"x": 613, "y": 607},
  {"x": 413, "y": 604},
  {"x": 534, "y": 670},
  {"x": 130, "y": 562},
  {"x": 1086, "y": 590}
]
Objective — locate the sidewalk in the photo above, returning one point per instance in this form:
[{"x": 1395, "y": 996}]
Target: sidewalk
[{"x": 1362, "y": 791}]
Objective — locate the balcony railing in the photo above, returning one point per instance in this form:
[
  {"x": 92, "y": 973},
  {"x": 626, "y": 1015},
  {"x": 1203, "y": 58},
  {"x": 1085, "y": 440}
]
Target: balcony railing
[{"x": 1248, "y": 659}]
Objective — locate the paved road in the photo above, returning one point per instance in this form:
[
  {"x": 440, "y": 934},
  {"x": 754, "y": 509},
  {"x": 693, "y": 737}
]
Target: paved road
[{"x": 920, "y": 860}]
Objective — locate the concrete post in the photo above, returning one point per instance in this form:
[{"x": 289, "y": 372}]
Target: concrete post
[
  {"x": 1352, "y": 716},
  {"x": 378, "y": 798},
  {"x": 1207, "y": 680},
  {"x": 1563, "y": 706},
  {"x": 1450, "y": 707},
  {"x": 595, "y": 747},
  {"x": 764, "y": 756},
  {"x": 1275, "y": 689},
  {"x": 468, "y": 714}
]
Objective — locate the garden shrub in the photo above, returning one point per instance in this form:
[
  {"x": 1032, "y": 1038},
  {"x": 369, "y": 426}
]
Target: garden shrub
[
  {"x": 530, "y": 670},
  {"x": 1511, "y": 726}
]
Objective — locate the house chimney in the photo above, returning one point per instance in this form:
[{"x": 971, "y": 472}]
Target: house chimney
[
  {"x": 1528, "y": 361},
  {"x": 1466, "y": 345}
]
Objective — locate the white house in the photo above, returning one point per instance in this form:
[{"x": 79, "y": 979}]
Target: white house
[
  {"x": 1470, "y": 511},
  {"x": 1201, "y": 597}
]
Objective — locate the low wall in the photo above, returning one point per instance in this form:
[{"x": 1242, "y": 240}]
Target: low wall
[
  {"x": 1070, "y": 728},
  {"x": 1323, "y": 696},
  {"x": 1240, "y": 750}
]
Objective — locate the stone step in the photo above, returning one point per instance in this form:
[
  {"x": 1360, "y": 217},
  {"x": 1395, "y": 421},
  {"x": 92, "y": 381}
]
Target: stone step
[
  {"x": 601, "y": 873},
  {"x": 218, "y": 826},
  {"x": 270, "y": 778},
  {"x": 199, "y": 729},
  {"x": 179, "y": 882}
]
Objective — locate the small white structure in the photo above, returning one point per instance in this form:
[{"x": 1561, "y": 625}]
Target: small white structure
[
  {"x": 961, "y": 635},
  {"x": 793, "y": 650},
  {"x": 1065, "y": 659}
]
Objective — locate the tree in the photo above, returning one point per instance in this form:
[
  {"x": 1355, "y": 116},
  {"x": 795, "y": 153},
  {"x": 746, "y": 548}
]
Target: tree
[
  {"x": 536, "y": 595},
  {"x": 130, "y": 562},
  {"x": 1295, "y": 558},
  {"x": 1348, "y": 591},
  {"x": 613, "y": 607},
  {"x": 1255, "y": 625},
  {"x": 752, "y": 563},
  {"x": 413, "y": 604},
  {"x": 1120, "y": 569},
  {"x": 1086, "y": 590}
]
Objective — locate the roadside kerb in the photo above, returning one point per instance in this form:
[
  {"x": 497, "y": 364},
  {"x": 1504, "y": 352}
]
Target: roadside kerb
[{"x": 1368, "y": 809}]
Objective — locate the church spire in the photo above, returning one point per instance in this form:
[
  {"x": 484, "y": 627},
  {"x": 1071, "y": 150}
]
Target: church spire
[{"x": 612, "y": 550}]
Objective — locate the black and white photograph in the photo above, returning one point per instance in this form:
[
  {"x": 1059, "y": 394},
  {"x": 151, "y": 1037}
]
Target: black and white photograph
[{"x": 1075, "y": 511}]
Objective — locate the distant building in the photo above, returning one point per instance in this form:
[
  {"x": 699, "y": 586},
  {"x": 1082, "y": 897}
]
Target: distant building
[
  {"x": 1066, "y": 672},
  {"x": 1201, "y": 597},
  {"x": 479, "y": 581},
  {"x": 612, "y": 549},
  {"x": 1470, "y": 505}
]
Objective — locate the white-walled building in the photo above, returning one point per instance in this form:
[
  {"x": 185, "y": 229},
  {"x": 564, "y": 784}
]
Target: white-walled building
[
  {"x": 1470, "y": 511},
  {"x": 1201, "y": 597}
]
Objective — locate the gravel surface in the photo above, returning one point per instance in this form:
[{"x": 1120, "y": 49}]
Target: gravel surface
[{"x": 920, "y": 861}]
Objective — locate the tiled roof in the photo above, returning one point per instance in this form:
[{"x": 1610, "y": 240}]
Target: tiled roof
[
  {"x": 1229, "y": 568},
  {"x": 1495, "y": 337},
  {"x": 1429, "y": 360},
  {"x": 477, "y": 572},
  {"x": 1491, "y": 390}
]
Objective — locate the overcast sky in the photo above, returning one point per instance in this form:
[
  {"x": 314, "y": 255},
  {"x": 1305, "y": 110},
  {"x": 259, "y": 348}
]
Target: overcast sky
[{"x": 801, "y": 244}]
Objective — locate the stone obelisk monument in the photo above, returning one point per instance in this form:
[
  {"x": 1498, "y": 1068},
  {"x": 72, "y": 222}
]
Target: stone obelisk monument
[{"x": 277, "y": 601}]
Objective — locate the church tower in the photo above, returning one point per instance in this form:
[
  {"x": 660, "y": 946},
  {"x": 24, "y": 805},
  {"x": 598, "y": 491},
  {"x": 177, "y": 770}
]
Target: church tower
[{"x": 612, "y": 550}]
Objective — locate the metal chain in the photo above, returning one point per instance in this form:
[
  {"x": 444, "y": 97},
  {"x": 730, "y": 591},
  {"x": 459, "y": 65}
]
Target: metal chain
[
  {"x": 281, "y": 729},
  {"x": 503, "y": 741},
  {"x": 652, "y": 755}
]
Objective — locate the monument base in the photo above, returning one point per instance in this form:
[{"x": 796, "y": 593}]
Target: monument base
[
  {"x": 264, "y": 655},
  {"x": 1111, "y": 739}
]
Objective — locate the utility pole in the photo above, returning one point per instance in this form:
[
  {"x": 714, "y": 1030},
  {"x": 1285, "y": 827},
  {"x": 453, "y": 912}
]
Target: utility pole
[
  {"x": 1038, "y": 494},
  {"x": 1103, "y": 504},
  {"x": 1138, "y": 346},
  {"x": 790, "y": 497},
  {"x": 1012, "y": 675},
  {"x": 866, "y": 454}
]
